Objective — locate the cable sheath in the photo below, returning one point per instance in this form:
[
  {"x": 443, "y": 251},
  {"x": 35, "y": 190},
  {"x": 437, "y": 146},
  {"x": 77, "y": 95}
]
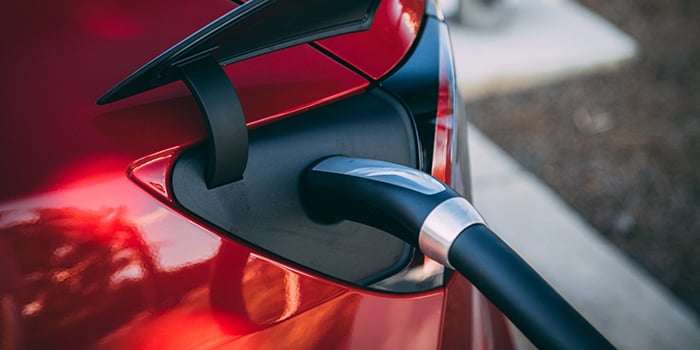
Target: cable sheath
[{"x": 520, "y": 293}]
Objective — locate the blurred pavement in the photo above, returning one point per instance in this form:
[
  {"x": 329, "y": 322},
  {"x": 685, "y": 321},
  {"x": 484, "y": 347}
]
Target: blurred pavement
[{"x": 545, "y": 41}]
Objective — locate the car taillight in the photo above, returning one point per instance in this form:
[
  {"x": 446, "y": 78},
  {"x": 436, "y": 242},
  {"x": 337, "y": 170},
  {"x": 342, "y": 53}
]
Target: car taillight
[{"x": 450, "y": 158}]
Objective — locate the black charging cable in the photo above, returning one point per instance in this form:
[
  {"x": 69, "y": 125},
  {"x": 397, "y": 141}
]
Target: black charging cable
[{"x": 426, "y": 213}]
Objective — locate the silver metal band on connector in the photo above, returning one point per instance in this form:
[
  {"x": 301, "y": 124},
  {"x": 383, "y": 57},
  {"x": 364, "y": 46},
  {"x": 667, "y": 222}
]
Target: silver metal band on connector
[
  {"x": 443, "y": 225},
  {"x": 381, "y": 171}
]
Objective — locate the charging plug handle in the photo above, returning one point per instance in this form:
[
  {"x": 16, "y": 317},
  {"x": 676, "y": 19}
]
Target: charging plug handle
[{"x": 426, "y": 213}]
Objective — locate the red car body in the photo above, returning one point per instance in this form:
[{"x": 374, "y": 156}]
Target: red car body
[{"x": 94, "y": 250}]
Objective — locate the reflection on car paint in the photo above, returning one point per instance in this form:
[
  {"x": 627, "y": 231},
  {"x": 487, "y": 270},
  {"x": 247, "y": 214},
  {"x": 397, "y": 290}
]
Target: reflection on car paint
[{"x": 102, "y": 265}]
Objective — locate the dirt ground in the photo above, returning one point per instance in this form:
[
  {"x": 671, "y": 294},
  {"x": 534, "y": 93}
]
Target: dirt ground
[{"x": 623, "y": 147}]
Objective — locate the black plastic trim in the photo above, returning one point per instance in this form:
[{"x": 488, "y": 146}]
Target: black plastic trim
[
  {"x": 343, "y": 62},
  {"x": 226, "y": 125},
  {"x": 416, "y": 82}
]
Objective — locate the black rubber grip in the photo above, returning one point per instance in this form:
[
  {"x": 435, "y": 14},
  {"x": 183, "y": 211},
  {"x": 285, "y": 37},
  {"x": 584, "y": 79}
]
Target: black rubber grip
[
  {"x": 520, "y": 293},
  {"x": 386, "y": 206}
]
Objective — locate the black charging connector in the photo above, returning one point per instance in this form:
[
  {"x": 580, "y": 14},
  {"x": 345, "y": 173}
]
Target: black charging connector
[{"x": 426, "y": 213}]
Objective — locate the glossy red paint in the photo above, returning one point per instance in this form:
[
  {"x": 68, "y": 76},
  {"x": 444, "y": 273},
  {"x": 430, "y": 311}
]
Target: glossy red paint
[
  {"x": 378, "y": 50},
  {"x": 470, "y": 320},
  {"x": 105, "y": 265},
  {"x": 285, "y": 82},
  {"x": 61, "y": 64},
  {"x": 93, "y": 250}
]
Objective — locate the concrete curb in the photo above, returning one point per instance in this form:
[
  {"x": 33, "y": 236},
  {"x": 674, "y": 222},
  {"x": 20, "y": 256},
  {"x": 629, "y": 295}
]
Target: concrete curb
[{"x": 620, "y": 299}]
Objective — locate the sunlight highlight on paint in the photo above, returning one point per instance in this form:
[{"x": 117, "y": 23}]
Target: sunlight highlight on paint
[
  {"x": 151, "y": 172},
  {"x": 292, "y": 292}
]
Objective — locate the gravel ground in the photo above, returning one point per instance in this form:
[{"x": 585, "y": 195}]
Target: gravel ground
[{"x": 623, "y": 147}]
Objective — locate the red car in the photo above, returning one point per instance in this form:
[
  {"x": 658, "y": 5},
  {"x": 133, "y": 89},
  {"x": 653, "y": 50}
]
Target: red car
[{"x": 165, "y": 206}]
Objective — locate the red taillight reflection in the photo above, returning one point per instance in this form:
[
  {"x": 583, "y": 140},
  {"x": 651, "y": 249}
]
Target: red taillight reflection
[{"x": 444, "y": 120}]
